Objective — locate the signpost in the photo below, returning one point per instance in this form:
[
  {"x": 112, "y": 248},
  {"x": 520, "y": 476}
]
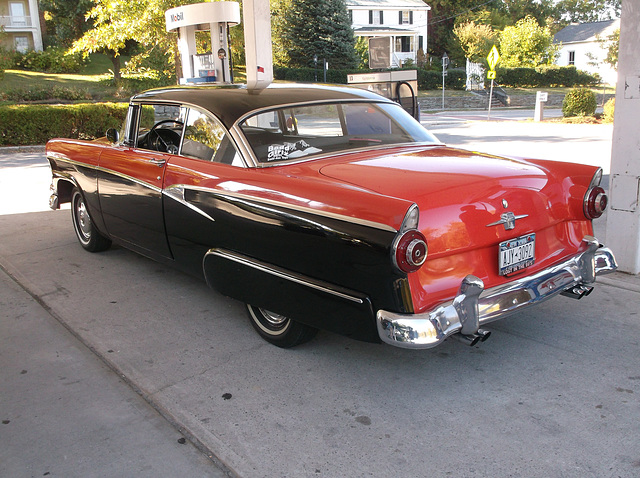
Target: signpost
[
  {"x": 445, "y": 65},
  {"x": 492, "y": 59}
]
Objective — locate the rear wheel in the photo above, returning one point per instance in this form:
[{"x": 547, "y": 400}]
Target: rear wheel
[
  {"x": 278, "y": 329},
  {"x": 89, "y": 237}
]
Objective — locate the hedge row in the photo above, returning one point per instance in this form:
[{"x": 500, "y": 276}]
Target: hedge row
[
  {"x": 542, "y": 76},
  {"x": 36, "y": 124},
  {"x": 427, "y": 79},
  {"x": 545, "y": 76}
]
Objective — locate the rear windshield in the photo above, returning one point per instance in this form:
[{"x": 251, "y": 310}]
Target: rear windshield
[{"x": 297, "y": 132}]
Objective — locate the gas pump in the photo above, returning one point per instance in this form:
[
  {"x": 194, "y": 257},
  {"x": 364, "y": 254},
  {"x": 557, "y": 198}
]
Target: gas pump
[{"x": 400, "y": 86}]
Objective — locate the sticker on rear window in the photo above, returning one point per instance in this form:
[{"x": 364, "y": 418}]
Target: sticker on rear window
[{"x": 281, "y": 152}]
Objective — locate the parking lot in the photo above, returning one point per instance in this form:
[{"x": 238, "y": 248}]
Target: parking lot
[{"x": 553, "y": 392}]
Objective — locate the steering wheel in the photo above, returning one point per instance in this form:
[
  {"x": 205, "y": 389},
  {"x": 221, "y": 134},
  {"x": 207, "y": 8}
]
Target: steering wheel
[{"x": 171, "y": 140}]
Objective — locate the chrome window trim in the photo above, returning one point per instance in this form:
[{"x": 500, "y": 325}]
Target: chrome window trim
[
  {"x": 337, "y": 154},
  {"x": 186, "y": 104},
  {"x": 328, "y": 101},
  {"x": 257, "y": 164},
  {"x": 282, "y": 274}
]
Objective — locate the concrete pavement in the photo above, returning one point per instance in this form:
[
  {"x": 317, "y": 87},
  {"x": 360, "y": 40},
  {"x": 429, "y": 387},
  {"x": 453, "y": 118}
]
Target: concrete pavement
[
  {"x": 64, "y": 413},
  {"x": 554, "y": 392}
]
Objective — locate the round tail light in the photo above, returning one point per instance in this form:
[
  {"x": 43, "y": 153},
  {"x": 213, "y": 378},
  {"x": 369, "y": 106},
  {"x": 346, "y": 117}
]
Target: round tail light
[
  {"x": 410, "y": 251},
  {"x": 595, "y": 202}
]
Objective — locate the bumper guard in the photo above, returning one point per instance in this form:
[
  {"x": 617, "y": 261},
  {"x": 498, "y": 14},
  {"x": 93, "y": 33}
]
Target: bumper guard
[{"x": 475, "y": 306}]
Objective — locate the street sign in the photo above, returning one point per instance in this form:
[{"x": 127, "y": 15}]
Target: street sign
[
  {"x": 493, "y": 57},
  {"x": 491, "y": 75}
]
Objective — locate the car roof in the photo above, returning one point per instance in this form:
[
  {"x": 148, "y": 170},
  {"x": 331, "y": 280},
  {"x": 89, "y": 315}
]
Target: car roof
[{"x": 231, "y": 102}]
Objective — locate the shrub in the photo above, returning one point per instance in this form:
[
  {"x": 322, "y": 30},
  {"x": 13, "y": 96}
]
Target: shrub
[
  {"x": 6, "y": 61},
  {"x": 36, "y": 124},
  {"x": 51, "y": 60},
  {"x": 579, "y": 102},
  {"x": 609, "y": 108},
  {"x": 44, "y": 94},
  {"x": 131, "y": 84}
]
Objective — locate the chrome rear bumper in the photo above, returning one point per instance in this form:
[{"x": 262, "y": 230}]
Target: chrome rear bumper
[{"x": 475, "y": 306}]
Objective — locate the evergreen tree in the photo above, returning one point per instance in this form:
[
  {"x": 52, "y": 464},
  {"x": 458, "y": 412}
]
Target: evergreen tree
[{"x": 319, "y": 27}]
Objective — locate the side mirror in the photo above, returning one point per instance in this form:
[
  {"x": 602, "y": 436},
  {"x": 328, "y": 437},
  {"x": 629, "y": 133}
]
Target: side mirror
[{"x": 113, "y": 135}]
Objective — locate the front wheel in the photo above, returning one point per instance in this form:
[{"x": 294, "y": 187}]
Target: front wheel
[
  {"x": 278, "y": 329},
  {"x": 89, "y": 237}
]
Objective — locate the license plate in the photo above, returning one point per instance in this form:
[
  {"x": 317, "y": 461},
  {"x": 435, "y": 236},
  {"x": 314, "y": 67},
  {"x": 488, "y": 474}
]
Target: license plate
[{"x": 516, "y": 254}]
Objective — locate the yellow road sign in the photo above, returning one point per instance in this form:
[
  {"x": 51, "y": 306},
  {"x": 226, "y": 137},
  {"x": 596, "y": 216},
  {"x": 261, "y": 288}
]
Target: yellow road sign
[
  {"x": 493, "y": 57},
  {"x": 491, "y": 75}
]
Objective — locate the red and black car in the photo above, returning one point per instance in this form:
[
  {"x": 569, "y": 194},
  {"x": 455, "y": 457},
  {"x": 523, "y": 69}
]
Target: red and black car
[{"x": 332, "y": 208}]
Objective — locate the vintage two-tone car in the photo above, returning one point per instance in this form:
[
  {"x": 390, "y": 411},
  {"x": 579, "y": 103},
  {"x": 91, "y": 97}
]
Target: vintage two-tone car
[{"x": 332, "y": 208}]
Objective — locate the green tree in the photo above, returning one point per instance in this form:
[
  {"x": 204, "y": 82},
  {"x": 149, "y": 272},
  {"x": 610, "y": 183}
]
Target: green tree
[
  {"x": 117, "y": 24},
  {"x": 319, "y": 28},
  {"x": 445, "y": 14},
  {"x": 443, "y": 17},
  {"x": 527, "y": 44},
  {"x": 65, "y": 20},
  {"x": 475, "y": 40},
  {"x": 280, "y": 41},
  {"x": 495, "y": 18},
  {"x": 586, "y": 11},
  {"x": 362, "y": 52},
  {"x": 611, "y": 44},
  {"x": 517, "y": 10}
]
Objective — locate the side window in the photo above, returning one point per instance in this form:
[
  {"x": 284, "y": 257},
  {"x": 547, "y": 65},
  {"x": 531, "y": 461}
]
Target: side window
[
  {"x": 160, "y": 127},
  {"x": 205, "y": 138}
]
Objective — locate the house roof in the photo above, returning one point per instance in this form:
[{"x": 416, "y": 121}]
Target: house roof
[
  {"x": 397, "y": 4},
  {"x": 584, "y": 32}
]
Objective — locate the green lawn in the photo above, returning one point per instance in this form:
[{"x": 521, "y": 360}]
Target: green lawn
[{"x": 30, "y": 80}]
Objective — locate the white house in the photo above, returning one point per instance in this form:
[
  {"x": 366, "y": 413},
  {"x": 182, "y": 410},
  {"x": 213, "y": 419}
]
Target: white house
[
  {"x": 20, "y": 19},
  {"x": 404, "y": 22},
  {"x": 580, "y": 47}
]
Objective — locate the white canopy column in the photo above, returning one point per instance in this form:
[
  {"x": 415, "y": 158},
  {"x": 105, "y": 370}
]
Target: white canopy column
[{"x": 623, "y": 222}]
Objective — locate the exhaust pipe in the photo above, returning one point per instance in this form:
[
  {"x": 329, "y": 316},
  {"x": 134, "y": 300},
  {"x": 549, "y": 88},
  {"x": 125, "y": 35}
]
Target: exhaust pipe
[
  {"x": 577, "y": 291},
  {"x": 480, "y": 336}
]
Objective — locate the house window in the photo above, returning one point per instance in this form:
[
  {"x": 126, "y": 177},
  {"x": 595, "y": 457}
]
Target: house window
[
  {"x": 376, "y": 17},
  {"x": 405, "y": 18},
  {"x": 18, "y": 14},
  {"x": 404, "y": 44},
  {"x": 572, "y": 58},
  {"x": 21, "y": 44}
]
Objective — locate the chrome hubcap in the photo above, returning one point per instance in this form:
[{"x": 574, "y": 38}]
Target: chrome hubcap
[
  {"x": 276, "y": 320},
  {"x": 84, "y": 223}
]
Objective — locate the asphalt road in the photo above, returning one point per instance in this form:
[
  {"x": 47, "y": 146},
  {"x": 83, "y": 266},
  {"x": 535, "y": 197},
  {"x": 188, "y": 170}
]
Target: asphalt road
[{"x": 555, "y": 391}]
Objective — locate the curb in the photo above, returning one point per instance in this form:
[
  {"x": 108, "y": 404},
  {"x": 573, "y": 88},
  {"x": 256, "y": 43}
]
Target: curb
[
  {"x": 38, "y": 148},
  {"x": 621, "y": 280}
]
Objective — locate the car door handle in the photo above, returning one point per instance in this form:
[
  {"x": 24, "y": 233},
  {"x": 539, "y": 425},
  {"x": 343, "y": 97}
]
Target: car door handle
[{"x": 158, "y": 162}]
